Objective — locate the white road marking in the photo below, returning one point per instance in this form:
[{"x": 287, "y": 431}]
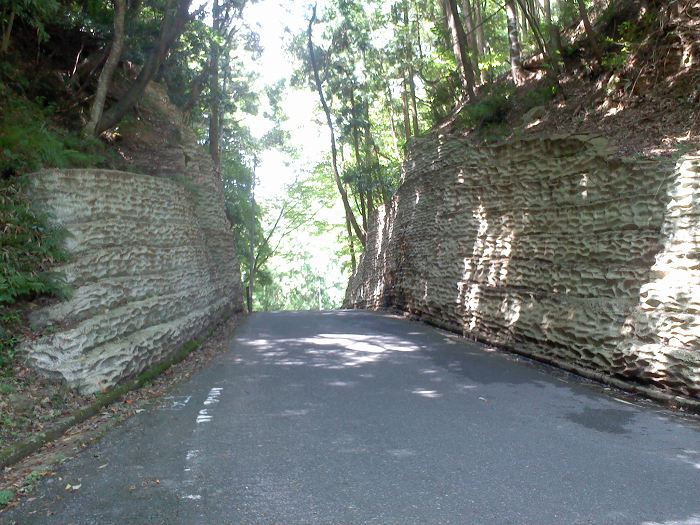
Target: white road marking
[
  {"x": 203, "y": 416},
  {"x": 213, "y": 396},
  {"x": 193, "y": 457}
]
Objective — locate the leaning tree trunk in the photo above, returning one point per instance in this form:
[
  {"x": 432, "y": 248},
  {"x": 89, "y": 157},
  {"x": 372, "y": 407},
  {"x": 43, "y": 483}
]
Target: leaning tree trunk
[
  {"x": 408, "y": 50},
  {"x": 108, "y": 69},
  {"x": 470, "y": 23},
  {"x": 480, "y": 33},
  {"x": 173, "y": 24},
  {"x": 7, "y": 33},
  {"x": 553, "y": 39},
  {"x": 459, "y": 46},
  {"x": 516, "y": 65},
  {"x": 351, "y": 242},
  {"x": 334, "y": 149},
  {"x": 215, "y": 92},
  {"x": 251, "y": 254},
  {"x": 533, "y": 22},
  {"x": 406, "y": 112},
  {"x": 592, "y": 36}
]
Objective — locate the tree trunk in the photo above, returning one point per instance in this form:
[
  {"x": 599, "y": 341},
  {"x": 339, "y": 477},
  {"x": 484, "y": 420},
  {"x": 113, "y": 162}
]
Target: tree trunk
[
  {"x": 553, "y": 39},
  {"x": 110, "y": 66},
  {"x": 353, "y": 259},
  {"x": 195, "y": 92},
  {"x": 334, "y": 150},
  {"x": 459, "y": 46},
  {"x": 414, "y": 105},
  {"x": 173, "y": 24},
  {"x": 215, "y": 91},
  {"x": 480, "y": 37},
  {"x": 390, "y": 109},
  {"x": 7, "y": 32},
  {"x": 534, "y": 25},
  {"x": 480, "y": 33},
  {"x": 370, "y": 148},
  {"x": 251, "y": 260},
  {"x": 409, "y": 74},
  {"x": 516, "y": 65},
  {"x": 592, "y": 37},
  {"x": 548, "y": 22},
  {"x": 468, "y": 13},
  {"x": 360, "y": 161},
  {"x": 406, "y": 112}
]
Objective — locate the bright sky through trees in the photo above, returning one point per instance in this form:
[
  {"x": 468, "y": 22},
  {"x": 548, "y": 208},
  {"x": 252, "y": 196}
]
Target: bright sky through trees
[{"x": 275, "y": 21}]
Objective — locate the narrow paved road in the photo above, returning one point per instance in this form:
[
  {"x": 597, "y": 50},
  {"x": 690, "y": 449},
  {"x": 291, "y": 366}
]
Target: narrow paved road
[{"x": 359, "y": 418}]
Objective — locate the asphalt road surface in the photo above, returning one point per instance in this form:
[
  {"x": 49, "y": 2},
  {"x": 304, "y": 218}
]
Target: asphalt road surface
[{"x": 360, "y": 418}]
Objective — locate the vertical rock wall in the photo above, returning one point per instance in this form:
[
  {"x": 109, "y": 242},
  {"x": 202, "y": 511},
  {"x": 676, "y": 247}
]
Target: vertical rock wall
[
  {"x": 153, "y": 266},
  {"x": 550, "y": 247}
]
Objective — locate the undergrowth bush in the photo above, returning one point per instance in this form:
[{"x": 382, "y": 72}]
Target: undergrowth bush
[
  {"x": 538, "y": 96},
  {"x": 29, "y": 247},
  {"x": 491, "y": 109},
  {"x": 29, "y": 141}
]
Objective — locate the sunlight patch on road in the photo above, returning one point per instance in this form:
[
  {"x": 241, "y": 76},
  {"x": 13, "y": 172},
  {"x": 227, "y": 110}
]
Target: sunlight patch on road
[
  {"x": 430, "y": 394},
  {"x": 332, "y": 351}
]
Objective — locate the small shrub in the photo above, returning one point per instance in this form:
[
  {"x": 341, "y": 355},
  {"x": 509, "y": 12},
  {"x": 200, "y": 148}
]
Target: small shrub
[
  {"x": 7, "y": 351},
  {"x": 29, "y": 247},
  {"x": 616, "y": 60},
  {"x": 28, "y": 141},
  {"x": 30, "y": 482},
  {"x": 6, "y": 496},
  {"x": 630, "y": 35},
  {"x": 491, "y": 109},
  {"x": 538, "y": 96}
]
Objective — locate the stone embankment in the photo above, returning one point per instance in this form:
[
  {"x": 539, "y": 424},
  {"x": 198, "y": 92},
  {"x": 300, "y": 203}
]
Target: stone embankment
[
  {"x": 152, "y": 267},
  {"x": 553, "y": 248}
]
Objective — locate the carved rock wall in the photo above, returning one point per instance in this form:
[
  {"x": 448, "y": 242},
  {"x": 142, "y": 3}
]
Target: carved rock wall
[
  {"x": 153, "y": 266},
  {"x": 550, "y": 247}
]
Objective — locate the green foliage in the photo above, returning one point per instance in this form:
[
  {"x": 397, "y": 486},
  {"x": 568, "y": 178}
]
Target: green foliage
[
  {"x": 29, "y": 142},
  {"x": 615, "y": 61},
  {"x": 630, "y": 35},
  {"x": 299, "y": 287},
  {"x": 6, "y": 496},
  {"x": 29, "y": 247},
  {"x": 30, "y": 481},
  {"x": 491, "y": 109},
  {"x": 538, "y": 96},
  {"x": 8, "y": 341},
  {"x": 636, "y": 31},
  {"x": 35, "y": 13}
]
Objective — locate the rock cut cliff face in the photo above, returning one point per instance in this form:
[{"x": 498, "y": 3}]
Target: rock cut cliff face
[
  {"x": 553, "y": 248},
  {"x": 153, "y": 266}
]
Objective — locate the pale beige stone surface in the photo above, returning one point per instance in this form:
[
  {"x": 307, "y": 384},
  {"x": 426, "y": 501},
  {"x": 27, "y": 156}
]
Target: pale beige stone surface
[
  {"x": 551, "y": 247},
  {"x": 153, "y": 266}
]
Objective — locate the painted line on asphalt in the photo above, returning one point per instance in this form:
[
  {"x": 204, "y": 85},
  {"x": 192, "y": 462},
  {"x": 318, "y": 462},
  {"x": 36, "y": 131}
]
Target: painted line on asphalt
[
  {"x": 193, "y": 457},
  {"x": 204, "y": 416}
]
